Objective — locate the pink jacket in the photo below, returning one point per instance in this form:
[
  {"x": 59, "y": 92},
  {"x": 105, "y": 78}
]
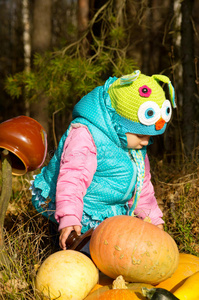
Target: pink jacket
[{"x": 77, "y": 167}]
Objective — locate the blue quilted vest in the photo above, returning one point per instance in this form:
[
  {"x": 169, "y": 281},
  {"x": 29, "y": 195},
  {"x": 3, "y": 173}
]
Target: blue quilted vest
[{"x": 114, "y": 181}]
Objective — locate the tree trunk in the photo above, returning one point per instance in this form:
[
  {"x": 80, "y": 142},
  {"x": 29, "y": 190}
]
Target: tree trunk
[
  {"x": 83, "y": 20},
  {"x": 41, "y": 42},
  {"x": 27, "y": 44},
  {"x": 189, "y": 86},
  {"x": 41, "y": 25},
  {"x": 146, "y": 49}
]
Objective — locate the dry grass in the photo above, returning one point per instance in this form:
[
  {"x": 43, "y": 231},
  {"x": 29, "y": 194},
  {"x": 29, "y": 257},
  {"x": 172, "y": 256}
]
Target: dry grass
[
  {"x": 177, "y": 190},
  {"x": 28, "y": 240}
]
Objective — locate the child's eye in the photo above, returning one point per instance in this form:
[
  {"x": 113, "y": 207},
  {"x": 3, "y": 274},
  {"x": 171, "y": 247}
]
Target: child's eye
[
  {"x": 166, "y": 110},
  {"x": 148, "y": 113}
]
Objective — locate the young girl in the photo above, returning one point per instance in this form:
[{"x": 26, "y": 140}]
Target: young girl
[{"x": 100, "y": 168}]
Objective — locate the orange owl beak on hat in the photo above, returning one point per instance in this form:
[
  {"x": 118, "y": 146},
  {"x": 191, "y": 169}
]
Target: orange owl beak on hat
[{"x": 159, "y": 124}]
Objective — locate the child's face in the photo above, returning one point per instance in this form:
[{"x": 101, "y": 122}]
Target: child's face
[{"x": 137, "y": 141}]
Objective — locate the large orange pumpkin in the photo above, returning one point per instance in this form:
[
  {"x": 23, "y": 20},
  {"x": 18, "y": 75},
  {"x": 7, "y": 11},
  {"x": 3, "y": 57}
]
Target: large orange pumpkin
[
  {"x": 188, "y": 265},
  {"x": 137, "y": 250}
]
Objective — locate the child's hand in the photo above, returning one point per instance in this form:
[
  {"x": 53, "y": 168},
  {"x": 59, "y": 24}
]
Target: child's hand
[
  {"x": 64, "y": 233},
  {"x": 160, "y": 226}
]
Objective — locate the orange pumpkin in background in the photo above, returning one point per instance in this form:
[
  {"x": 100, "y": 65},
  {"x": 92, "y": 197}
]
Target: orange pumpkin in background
[
  {"x": 137, "y": 250},
  {"x": 119, "y": 289},
  {"x": 188, "y": 265},
  {"x": 136, "y": 288},
  {"x": 103, "y": 281},
  {"x": 118, "y": 294}
]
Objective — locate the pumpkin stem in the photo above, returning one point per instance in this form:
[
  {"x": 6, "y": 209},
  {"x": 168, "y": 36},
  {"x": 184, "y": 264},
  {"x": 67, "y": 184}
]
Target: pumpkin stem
[
  {"x": 119, "y": 283},
  {"x": 148, "y": 292}
]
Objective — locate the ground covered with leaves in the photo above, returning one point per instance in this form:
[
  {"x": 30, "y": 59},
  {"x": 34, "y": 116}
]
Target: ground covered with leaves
[{"x": 29, "y": 241}]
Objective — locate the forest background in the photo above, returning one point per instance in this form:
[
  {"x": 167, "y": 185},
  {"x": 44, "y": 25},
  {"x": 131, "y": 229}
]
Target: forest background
[{"x": 53, "y": 52}]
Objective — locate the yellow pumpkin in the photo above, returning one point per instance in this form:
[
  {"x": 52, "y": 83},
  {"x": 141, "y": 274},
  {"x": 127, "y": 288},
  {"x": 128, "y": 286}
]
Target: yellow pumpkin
[
  {"x": 189, "y": 290},
  {"x": 188, "y": 265},
  {"x": 66, "y": 274}
]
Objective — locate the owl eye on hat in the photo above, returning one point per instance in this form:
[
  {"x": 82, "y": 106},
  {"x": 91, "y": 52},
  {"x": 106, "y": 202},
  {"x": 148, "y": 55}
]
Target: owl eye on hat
[{"x": 140, "y": 103}]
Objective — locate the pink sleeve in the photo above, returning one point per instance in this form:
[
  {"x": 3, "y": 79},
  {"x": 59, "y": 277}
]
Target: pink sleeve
[
  {"x": 77, "y": 167},
  {"x": 147, "y": 205}
]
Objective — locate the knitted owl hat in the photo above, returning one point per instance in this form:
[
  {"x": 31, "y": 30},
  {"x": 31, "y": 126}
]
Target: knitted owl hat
[{"x": 140, "y": 103}]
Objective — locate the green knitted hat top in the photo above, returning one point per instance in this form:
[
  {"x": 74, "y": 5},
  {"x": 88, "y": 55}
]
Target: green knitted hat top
[{"x": 140, "y": 102}]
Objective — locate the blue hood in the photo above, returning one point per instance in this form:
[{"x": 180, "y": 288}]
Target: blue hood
[{"x": 96, "y": 108}]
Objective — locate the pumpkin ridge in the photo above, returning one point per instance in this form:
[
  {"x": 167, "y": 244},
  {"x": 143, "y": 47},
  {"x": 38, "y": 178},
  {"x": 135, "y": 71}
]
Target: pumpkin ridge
[
  {"x": 112, "y": 228},
  {"x": 160, "y": 246},
  {"x": 100, "y": 244},
  {"x": 159, "y": 252},
  {"x": 123, "y": 248},
  {"x": 109, "y": 227},
  {"x": 141, "y": 233},
  {"x": 176, "y": 257},
  {"x": 129, "y": 234}
]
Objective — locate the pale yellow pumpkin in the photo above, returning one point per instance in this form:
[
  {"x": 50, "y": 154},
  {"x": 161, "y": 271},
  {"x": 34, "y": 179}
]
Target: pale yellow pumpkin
[{"x": 66, "y": 274}]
